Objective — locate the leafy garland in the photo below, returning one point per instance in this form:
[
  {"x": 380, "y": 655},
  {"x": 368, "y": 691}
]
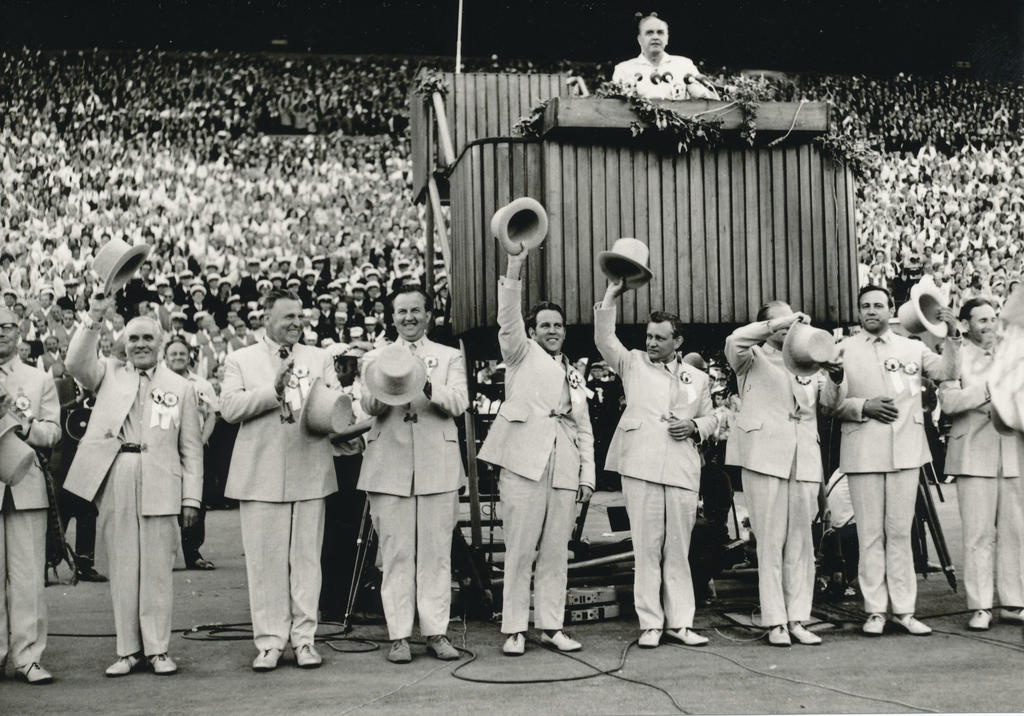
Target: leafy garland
[
  {"x": 532, "y": 125},
  {"x": 429, "y": 82},
  {"x": 850, "y": 151}
]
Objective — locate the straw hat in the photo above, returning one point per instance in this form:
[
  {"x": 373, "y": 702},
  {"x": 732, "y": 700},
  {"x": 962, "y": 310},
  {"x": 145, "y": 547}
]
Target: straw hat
[
  {"x": 520, "y": 225},
  {"x": 326, "y": 410},
  {"x": 16, "y": 457},
  {"x": 626, "y": 261},
  {"x": 396, "y": 376},
  {"x": 806, "y": 348},
  {"x": 921, "y": 313},
  {"x": 117, "y": 261}
]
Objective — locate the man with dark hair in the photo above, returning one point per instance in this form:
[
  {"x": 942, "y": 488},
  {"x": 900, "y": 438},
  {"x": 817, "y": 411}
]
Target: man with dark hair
[
  {"x": 411, "y": 471},
  {"x": 883, "y": 448},
  {"x": 668, "y": 410},
  {"x": 280, "y": 474},
  {"x": 543, "y": 442},
  {"x": 657, "y": 74},
  {"x": 989, "y": 485}
]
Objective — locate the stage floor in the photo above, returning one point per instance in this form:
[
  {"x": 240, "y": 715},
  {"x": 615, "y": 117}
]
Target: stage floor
[{"x": 952, "y": 670}]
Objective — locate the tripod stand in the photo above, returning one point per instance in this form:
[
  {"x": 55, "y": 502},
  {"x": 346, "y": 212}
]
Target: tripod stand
[{"x": 926, "y": 516}]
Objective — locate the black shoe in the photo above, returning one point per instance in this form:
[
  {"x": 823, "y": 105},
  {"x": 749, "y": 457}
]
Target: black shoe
[{"x": 89, "y": 574}]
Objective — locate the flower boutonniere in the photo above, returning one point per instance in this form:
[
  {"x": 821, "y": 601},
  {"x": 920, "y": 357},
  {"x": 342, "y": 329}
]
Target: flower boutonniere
[{"x": 685, "y": 377}]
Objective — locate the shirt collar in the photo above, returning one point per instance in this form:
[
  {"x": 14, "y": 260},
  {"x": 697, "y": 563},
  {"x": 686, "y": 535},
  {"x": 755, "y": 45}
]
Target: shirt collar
[
  {"x": 884, "y": 338},
  {"x": 419, "y": 343},
  {"x": 7, "y": 367}
]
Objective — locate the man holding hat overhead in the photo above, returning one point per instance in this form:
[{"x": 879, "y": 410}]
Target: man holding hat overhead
[
  {"x": 775, "y": 443},
  {"x": 141, "y": 460},
  {"x": 280, "y": 473},
  {"x": 883, "y": 448},
  {"x": 668, "y": 410},
  {"x": 411, "y": 472},
  {"x": 989, "y": 485},
  {"x": 544, "y": 445},
  {"x": 31, "y": 414}
]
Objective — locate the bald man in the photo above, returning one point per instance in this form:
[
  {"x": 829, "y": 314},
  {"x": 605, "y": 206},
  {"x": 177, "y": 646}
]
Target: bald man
[
  {"x": 654, "y": 73},
  {"x": 141, "y": 460}
]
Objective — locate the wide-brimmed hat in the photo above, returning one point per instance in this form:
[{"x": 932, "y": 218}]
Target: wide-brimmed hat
[
  {"x": 396, "y": 376},
  {"x": 806, "y": 348},
  {"x": 626, "y": 261},
  {"x": 326, "y": 410},
  {"x": 16, "y": 457},
  {"x": 920, "y": 314},
  {"x": 117, "y": 261},
  {"x": 520, "y": 225}
]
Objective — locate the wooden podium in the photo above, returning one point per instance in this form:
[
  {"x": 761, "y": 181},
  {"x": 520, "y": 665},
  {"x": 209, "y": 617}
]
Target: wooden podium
[{"x": 728, "y": 228}]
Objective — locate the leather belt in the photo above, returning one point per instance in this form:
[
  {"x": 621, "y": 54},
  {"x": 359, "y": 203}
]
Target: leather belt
[{"x": 130, "y": 447}]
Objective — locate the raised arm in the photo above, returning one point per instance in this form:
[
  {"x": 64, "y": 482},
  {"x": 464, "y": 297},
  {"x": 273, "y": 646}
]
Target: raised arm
[
  {"x": 83, "y": 361},
  {"x": 512, "y": 337},
  {"x": 608, "y": 344}
]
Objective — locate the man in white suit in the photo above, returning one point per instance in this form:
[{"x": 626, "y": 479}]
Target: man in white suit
[
  {"x": 28, "y": 396},
  {"x": 668, "y": 409},
  {"x": 141, "y": 460},
  {"x": 280, "y": 475},
  {"x": 990, "y": 489},
  {"x": 883, "y": 448},
  {"x": 775, "y": 443},
  {"x": 411, "y": 472},
  {"x": 544, "y": 444}
]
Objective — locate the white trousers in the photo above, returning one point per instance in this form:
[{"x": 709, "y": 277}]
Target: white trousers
[
  {"x": 140, "y": 552},
  {"x": 282, "y": 543},
  {"x": 781, "y": 512},
  {"x": 661, "y": 520},
  {"x": 415, "y": 536},
  {"x": 883, "y": 505},
  {"x": 992, "y": 515},
  {"x": 537, "y": 521},
  {"x": 22, "y": 581}
]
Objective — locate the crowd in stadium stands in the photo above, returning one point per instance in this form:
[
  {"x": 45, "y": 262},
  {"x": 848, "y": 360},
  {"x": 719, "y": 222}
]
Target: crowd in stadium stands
[{"x": 190, "y": 153}]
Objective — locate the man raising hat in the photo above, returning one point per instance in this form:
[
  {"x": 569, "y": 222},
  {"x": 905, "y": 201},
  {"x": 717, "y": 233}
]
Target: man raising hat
[
  {"x": 544, "y": 445},
  {"x": 411, "y": 472}
]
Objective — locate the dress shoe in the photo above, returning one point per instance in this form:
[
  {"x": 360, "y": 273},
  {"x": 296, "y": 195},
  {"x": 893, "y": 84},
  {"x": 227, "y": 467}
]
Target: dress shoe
[
  {"x": 440, "y": 647},
  {"x": 686, "y": 636},
  {"x": 125, "y": 665},
  {"x": 1015, "y": 616},
  {"x": 912, "y": 625},
  {"x": 515, "y": 645},
  {"x": 307, "y": 657},
  {"x": 874, "y": 626},
  {"x": 266, "y": 660},
  {"x": 561, "y": 641},
  {"x": 804, "y": 636},
  {"x": 981, "y": 620},
  {"x": 34, "y": 674},
  {"x": 778, "y": 635},
  {"x": 400, "y": 653},
  {"x": 162, "y": 665},
  {"x": 89, "y": 574},
  {"x": 649, "y": 639}
]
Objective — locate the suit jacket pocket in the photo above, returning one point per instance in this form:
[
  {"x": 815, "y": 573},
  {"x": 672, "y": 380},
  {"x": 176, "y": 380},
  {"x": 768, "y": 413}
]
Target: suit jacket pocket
[
  {"x": 627, "y": 424},
  {"x": 450, "y": 433},
  {"x": 514, "y": 413},
  {"x": 748, "y": 424}
]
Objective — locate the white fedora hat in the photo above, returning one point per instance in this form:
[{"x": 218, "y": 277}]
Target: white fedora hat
[
  {"x": 117, "y": 261},
  {"x": 16, "y": 457},
  {"x": 396, "y": 376},
  {"x": 626, "y": 261},
  {"x": 326, "y": 410},
  {"x": 806, "y": 348},
  {"x": 920, "y": 314},
  {"x": 520, "y": 225}
]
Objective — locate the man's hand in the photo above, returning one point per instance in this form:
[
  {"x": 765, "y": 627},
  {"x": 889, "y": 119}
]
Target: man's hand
[
  {"x": 99, "y": 303},
  {"x": 613, "y": 291},
  {"x": 947, "y": 316},
  {"x": 515, "y": 265},
  {"x": 881, "y": 409},
  {"x": 189, "y": 516},
  {"x": 681, "y": 429},
  {"x": 835, "y": 368},
  {"x": 781, "y": 322},
  {"x": 282, "y": 377},
  {"x": 584, "y": 493}
]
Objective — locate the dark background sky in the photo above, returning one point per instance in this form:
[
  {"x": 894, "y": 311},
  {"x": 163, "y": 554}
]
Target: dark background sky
[{"x": 827, "y": 35}]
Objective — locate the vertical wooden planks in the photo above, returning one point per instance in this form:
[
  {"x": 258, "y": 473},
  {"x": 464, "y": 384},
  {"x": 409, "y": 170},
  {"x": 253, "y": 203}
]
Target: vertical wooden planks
[
  {"x": 627, "y": 225},
  {"x": 683, "y": 238},
  {"x": 737, "y": 269},
  {"x": 655, "y": 293},
  {"x": 794, "y": 288},
  {"x": 553, "y": 245},
  {"x": 830, "y": 230},
  {"x": 816, "y": 237},
  {"x": 806, "y": 240},
  {"x": 711, "y": 235},
  {"x": 765, "y": 219},
  {"x": 698, "y": 237},
  {"x": 670, "y": 292},
  {"x": 580, "y": 275},
  {"x": 534, "y": 185},
  {"x": 752, "y": 237},
  {"x": 599, "y": 237},
  {"x": 563, "y": 255}
]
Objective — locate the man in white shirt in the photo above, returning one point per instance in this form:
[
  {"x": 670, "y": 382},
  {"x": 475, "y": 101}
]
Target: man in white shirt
[{"x": 655, "y": 74}]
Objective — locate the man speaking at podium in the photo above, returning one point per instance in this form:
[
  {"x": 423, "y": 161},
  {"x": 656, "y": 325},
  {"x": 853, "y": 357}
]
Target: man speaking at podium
[{"x": 655, "y": 74}]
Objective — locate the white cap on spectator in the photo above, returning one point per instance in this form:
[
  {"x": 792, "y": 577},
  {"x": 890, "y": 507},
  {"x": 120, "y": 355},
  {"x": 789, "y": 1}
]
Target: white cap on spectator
[
  {"x": 46, "y": 288},
  {"x": 325, "y": 297},
  {"x": 197, "y": 287}
]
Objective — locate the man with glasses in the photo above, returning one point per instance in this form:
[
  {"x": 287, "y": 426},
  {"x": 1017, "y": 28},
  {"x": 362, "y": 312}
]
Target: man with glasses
[{"x": 883, "y": 448}]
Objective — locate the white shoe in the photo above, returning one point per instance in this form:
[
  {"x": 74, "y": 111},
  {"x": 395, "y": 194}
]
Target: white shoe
[
  {"x": 162, "y": 665},
  {"x": 307, "y": 657},
  {"x": 561, "y": 641},
  {"x": 778, "y": 636},
  {"x": 803, "y": 635},
  {"x": 266, "y": 660},
  {"x": 981, "y": 620},
  {"x": 912, "y": 625},
  {"x": 874, "y": 626},
  {"x": 686, "y": 636},
  {"x": 650, "y": 638},
  {"x": 515, "y": 645},
  {"x": 1012, "y": 615},
  {"x": 125, "y": 665}
]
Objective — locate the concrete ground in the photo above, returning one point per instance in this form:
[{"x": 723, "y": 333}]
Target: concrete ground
[{"x": 951, "y": 671}]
